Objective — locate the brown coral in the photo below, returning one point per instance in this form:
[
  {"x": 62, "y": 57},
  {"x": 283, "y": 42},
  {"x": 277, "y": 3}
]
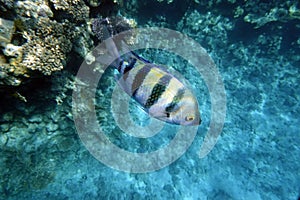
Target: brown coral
[
  {"x": 77, "y": 9},
  {"x": 47, "y": 47},
  {"x": 6, "y": 30},
  {"x": 33, "y": 9},
  {"x": 64, "y": 4},
  {"x": 45, "y": 56}
]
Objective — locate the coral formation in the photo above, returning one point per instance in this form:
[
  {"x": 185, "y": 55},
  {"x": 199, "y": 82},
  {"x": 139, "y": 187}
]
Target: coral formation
[
  {"x": 294, "y": 11},
  {"x": 94, "y": 3},
  {"x": 41, "y": 36},
  {"x": 33, "y": 9},
  {"x": 11, "y": 56},
  {"x": 115, "y": 24},
  {"x": 75, "y": 10},
  {"x": 254, "y": 44},
  {"x": 168, "y": 1},
  {"x": 6, "y": 4},
  {"x": 45, "y": 50},
  {"x": 274, "y": 11},
  {"x": 207, "y": 28},
  {"x": 6, "y": 30},
  {"x": 47, "y": 47},
  {"x": 37, "y": 38},
  {"x": 64, "y": 4},
  {"x": 275, "y": 14}
]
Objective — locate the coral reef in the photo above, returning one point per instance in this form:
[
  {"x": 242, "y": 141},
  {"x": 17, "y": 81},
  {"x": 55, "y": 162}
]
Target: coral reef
[
  {"x": 94, "y": 3},
  {"x": 64, "y": 4},
  {"x": 272, "y": 12},
  {"x": 26, "y": 134},
  {"x": 45, "y": 50},
  {"x": 209, "y": 29},
  {"x": 11, "y": 56},
  {"x": 74, "y": 10},
  {"x": 275, "y": 14},
  {"x": 47, "y": 47},
  {"x": 268, "y": 26},
  {"x": 33, "y": 9},
  {"x": 168, "y": 1},
  {"x": 39, "y": 39},
  {"x": 256, "y": 47},
  {"x": 294, "y": 11},
  {"x": 6, "y": 30},
  {"x": 115, "y": 25},
  {"x": 6, "y": 4}
]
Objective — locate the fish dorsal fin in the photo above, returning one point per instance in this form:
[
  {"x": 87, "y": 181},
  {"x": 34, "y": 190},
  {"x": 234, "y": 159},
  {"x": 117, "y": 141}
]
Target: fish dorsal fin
[
  {"x": 176, "y": 74},
  {"x": 140, "y": 58},
  {"x": 170, "y": 70},
  {"x": 129, "y": 53}
]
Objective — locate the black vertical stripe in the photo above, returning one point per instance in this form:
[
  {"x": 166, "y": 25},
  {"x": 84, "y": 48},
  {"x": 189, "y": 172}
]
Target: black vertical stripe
[
  {"x": 139, "y": 78},
  {"x": 129, "y": 66},
  {"x": 176, "y": 99},
  {"x": 158, "y": 90},
  {"x": 120, "y": 66},
  {"x": 125, "y": 76}
]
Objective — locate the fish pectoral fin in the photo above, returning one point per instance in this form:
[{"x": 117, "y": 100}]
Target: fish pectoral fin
[
  {"x": 173, "y": 107},
  {"x": 140, "y": 107},
  {"x": 160, "y": 115}
]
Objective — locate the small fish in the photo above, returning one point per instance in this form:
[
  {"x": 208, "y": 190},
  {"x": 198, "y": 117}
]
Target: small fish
[{"x": 161, "y": 94}]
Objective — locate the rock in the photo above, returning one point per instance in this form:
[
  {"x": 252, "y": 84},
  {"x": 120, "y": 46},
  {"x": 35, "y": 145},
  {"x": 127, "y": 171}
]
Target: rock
[
  {"x": 33, "y": 9},
  {"x": 3, "y": 139},
  {"x": 4, "y": 128},
  {"x": 35, "y": 118},
  {"x": 94, "y": 3},
  {"x": 51, "y": 127},
  {"x": 13, "y": 51},
  {"x": 7, "y": 117},
  {"x": 7, "y": 28}
]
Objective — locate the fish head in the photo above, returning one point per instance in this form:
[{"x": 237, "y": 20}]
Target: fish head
[{"x": 187, "y": 113}]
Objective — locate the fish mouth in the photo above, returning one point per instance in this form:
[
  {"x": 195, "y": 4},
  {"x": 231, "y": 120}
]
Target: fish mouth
[{"x": 193, "y": 123}]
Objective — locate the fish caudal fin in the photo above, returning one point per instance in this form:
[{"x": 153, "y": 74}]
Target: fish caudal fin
[{"x": 102, "y": 29}]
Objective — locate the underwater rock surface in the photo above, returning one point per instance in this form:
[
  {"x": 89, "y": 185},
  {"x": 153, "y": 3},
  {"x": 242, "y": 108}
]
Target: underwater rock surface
[{"x": 256, "y": 46}]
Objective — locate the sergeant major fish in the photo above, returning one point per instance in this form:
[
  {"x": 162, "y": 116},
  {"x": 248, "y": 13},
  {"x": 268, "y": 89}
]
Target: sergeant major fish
[{"x": 161, "y": 94}]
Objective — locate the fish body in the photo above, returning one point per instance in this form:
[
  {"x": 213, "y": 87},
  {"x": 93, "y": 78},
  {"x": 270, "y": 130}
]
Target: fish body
[{"x": 160, "y": 93}]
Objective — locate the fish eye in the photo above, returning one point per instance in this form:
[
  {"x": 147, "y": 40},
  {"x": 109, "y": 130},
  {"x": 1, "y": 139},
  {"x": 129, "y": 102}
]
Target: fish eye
[{"x": 189, "y": 118}]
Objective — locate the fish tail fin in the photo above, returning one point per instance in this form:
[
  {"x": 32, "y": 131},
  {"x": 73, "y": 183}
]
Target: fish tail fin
[{"x": 102, "y": 29}]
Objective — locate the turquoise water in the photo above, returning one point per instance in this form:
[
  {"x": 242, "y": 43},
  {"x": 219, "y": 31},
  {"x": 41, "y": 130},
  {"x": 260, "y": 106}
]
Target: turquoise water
[{"x": 256, "y": 156}]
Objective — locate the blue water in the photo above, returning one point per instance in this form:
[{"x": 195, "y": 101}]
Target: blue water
[{"x": 256, "y": 156}]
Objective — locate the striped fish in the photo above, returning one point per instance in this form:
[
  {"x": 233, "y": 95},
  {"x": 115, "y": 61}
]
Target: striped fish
[{"x": 161, "y": 94}]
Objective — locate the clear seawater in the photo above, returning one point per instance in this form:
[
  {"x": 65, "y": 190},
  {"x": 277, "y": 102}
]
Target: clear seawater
[{"x": 256, "y": 156}]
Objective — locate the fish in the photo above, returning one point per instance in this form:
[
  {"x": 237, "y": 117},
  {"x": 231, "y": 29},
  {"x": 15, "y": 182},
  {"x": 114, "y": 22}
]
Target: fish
[{"x": 160, "y": 93}]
